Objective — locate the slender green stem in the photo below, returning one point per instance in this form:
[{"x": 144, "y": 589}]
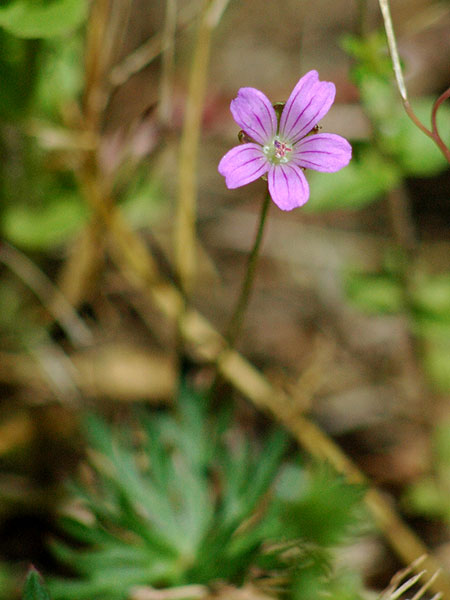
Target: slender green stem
[{"x": 238, "y": 314}]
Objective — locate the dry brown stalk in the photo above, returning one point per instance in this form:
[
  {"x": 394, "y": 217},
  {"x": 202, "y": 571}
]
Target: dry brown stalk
[
  {"x": 202, "y": 340},
  {"x": 206, "y": 345},
  {"x": 185, "y": 225}
]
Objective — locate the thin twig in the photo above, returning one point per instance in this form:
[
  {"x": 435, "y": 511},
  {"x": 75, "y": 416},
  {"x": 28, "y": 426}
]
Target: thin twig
[
  {"x": 49, "y": 295},
  {"x": 184, "y": 592},
  {"x": 206, "y": 344},
  {"x": 148, "y": 51},
  {"x": 434, "y": 126},
  {"x": 185, "y": 225},
  {"x": 97, "y": 56},
  {"x": 392, "y": 43},
  {"x": 167, "y": 67}
]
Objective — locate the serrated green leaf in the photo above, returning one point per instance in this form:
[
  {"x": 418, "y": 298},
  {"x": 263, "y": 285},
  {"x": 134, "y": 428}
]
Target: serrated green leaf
[
  {"x": 324, "y": 512},
  {"x": 34, "y": 588},
  {"x": 42, "y": 18},
  {"x": 203, "y": 507}
]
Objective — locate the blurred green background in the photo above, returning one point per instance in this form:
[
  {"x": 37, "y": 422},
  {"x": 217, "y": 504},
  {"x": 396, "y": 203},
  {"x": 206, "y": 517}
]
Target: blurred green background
[{"x": 104, "y": 417}]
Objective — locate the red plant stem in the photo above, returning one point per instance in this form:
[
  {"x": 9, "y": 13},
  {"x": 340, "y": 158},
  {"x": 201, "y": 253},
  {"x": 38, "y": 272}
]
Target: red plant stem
[{"x": 434, "y": 135}]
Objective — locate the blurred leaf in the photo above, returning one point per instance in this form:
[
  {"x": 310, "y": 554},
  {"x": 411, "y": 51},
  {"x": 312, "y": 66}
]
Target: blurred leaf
[
  {"x": 416, "y": 153},
  {"x": 174, "y": 502},
  {"x": 429, "y": 495},
  {"x": 431, "y": 295},
  {"x": 441, "y": 444},
  {"x": 396, "y": 136},
  {"x": 364, "y": 180},
  {"x": 44, "y": 227},
  {"x": 341, "y": 585},
  {"x": 60, "y": 77},
  {"x": 325, "y": 510},
  {"x": 143, "y": 198},
  {"x": 437, "y": 361},
  {"x": 374, "y": 293},
  {"x": 370, "y": 54},
  {"x": 18, "y": 60},
  {"x": 42, "y": 18},
  {"x": 427, "y": 499},
  {"x": 34, "y": 588},
  {"x": 7, "y": 580}
]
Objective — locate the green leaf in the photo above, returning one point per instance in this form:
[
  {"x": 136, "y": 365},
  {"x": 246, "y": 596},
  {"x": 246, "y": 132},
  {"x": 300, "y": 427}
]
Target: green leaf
[
  {"x": 364, "y": 180},
  {"x": 370, "y": 54},
  {"x": 42, "y": 18},
  {"x": 45, "y": 227},
  {"x": 426, "y": 498},
  {"x": 322, "y": 508},
  {"x": 60, "y": 75},
  {"x": 374, "y": 293},
  {"x": 416, "y": 153},
  {"x": 397, "y": 136},
  {"x": 437, "y": 362},
  {"x": 34, "y": 588},
  {"x": 432, "y": 296},
  {"x": 441, "y": 443}
]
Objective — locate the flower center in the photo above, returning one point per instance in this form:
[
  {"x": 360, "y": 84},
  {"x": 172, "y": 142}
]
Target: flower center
[{"x": 277, "y": 151}]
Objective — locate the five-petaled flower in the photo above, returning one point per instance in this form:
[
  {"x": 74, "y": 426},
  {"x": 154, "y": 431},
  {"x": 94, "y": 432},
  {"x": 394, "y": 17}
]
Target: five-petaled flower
[{"x": 283, "y": 150}]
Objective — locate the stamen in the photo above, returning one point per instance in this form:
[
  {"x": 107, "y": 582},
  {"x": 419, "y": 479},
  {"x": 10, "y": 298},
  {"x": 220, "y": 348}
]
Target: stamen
[{"x": 281, "y": 149}]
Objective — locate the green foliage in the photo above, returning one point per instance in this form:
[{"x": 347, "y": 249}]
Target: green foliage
[
  {"x": 174, "y": 503},
  {"x": 7, "y": 580},
  {"x": 54, "y": 220},
  {"x": 318, "y": 504},
  {"x": 398, "y": 138},
  {"x": 42, "y": 18},
  {"x": 60, "y": 79},
  {"x": 374, "y": 293},
  {"x": 342, "y": 585},
  {"x": 428, "y": 307},
  {"x": 429, "y": 496},
  {"x": 368, "y": 176},
  {"x": 397, "y": 148},
  {"x": 34, "y": 588},
  {"x": 431, "y": 299}
]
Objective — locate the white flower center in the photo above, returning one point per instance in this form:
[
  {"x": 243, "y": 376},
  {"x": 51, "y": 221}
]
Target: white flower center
[{"x": 277, "y": 151}]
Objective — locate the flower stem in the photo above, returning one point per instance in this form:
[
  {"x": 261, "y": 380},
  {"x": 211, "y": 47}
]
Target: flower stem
[
  {"x": 238, "y": 314},
  {"x": 392, "y": 43}
]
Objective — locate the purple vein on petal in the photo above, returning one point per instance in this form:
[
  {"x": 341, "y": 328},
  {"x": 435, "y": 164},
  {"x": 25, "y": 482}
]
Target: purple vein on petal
[
  {"x": 304, "y": 85},
  {"x": 243, "y": 164},
  {"x": 288, "y": 186},
  {"x": 252, "y": 110},
  {"x": 299, "y": 136}
]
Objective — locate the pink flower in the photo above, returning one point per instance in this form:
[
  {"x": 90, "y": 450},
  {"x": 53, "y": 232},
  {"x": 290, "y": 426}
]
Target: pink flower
[{"x": 282, "y": 150}]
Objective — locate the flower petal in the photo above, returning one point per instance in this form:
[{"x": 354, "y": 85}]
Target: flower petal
[
  {"x": 309, "y": 102},
  {"x": 288, "y": 187},
  {"x": 325, "y": 152},
  {"x": 242, "y": 165},
  {"x": 254, "y": 113}
]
